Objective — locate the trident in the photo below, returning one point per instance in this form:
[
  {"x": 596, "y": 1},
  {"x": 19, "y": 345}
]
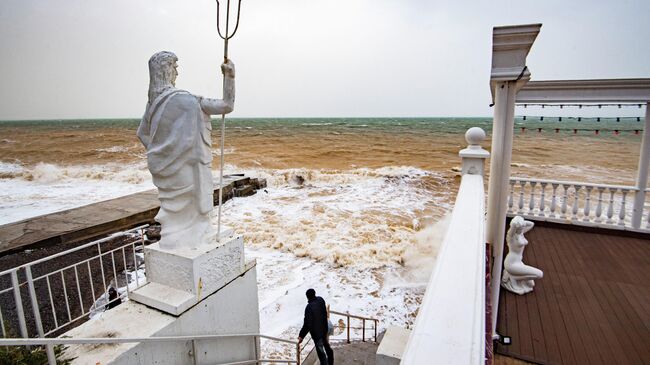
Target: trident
[{"x": 225, "y": 36}]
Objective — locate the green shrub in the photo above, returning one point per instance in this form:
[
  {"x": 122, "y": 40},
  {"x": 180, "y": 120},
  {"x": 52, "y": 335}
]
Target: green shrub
[{"x": 21, "y": 355}]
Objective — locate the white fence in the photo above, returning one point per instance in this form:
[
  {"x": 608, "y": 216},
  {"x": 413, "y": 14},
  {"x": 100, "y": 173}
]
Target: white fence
[
  {"x": 450, "y": 326},
  {"x": 48, "y": 296},
  {"x": 607, "y": 206}
]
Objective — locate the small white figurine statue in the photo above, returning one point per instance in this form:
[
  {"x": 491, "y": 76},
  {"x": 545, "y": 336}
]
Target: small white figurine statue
[
  {"x": 175, "y": 131},
  {"x": 517, "y": 276}
]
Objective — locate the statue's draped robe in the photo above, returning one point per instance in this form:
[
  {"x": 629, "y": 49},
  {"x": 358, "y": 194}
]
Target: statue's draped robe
[{"x": 176, "y": 134}]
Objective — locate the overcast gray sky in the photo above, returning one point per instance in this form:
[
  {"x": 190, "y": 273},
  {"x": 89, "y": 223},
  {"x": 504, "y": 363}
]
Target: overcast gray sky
[{"x": 302, "y": 58}]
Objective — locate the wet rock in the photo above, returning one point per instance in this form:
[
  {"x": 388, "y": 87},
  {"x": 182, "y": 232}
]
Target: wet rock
[
  {"x": 247, "y": 190},
  {"x": 297, "y": 180},
  {"x": 153, "y": 232}
]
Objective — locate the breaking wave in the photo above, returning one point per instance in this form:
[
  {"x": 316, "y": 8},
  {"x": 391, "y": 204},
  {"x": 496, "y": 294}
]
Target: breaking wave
[{"x": 362, "y": 217}]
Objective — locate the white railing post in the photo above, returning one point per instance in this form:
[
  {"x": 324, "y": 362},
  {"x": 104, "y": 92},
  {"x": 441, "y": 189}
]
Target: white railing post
[
  {"x": 642, "y": 172},
  {"x": 51, "y": 359},
  {"x": 553, "y": 200},
  {"x": 473, "y": 157},
  {"x": 621, "y": 212},
  {"x": 531, "y": 203},
  {"x": 522, "y": 186},
  {"x": 510, "y": 197},
  {"x": 587, "y": 209},
  {"x": 19, "y": 304},
  {"x": 599, "y": 207},
  {"x": 574, "y": 208},
  {"x": 610, "y": 208},
  {"x": 564, "y": 200},
  {"x": 542, "y": 200}
]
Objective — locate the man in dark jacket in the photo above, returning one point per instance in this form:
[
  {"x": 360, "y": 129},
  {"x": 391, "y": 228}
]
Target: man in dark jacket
[{"x": 316, "y": 325}]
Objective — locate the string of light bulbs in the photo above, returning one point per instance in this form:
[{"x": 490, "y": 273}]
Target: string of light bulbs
[
  {"x": 579, "y": 119},
  {"x": 580, "y": 106}
]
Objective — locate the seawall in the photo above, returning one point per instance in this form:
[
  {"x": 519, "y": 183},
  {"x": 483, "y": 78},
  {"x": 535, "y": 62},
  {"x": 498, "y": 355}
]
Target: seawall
[{"x": 102, "y": 218}]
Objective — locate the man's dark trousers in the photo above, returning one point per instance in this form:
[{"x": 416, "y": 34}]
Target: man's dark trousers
[{"x": 324, "y": 352}]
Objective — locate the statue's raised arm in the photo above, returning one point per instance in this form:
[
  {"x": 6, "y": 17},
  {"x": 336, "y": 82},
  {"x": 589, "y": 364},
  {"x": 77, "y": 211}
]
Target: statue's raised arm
[
  {"x": 175, "y": 131},
  {"x": 227, "y": 105}
]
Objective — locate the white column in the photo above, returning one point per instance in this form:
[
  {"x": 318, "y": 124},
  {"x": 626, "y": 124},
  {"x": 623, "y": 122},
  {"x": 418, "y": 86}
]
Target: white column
[
  {"x": 642, "y": 172},
  {"x": 497, "y": 205}
]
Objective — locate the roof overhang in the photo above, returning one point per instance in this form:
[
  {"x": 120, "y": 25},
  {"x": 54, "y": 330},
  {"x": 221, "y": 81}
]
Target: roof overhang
[
  {"x": 510, "y": 47},
  {"x": 585, "y": 91}
]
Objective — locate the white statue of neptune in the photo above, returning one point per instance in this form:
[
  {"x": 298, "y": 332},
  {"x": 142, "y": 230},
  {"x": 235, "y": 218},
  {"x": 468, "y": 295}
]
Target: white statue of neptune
[
  {"x": 517, "y": 276},
  {"x": 175, "y": 131}
]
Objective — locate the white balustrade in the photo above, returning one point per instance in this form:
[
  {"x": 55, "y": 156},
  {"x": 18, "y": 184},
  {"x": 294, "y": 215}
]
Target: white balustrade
[
  {"x": 580, "y": 203},
  {"x": 450, "y": 327}
]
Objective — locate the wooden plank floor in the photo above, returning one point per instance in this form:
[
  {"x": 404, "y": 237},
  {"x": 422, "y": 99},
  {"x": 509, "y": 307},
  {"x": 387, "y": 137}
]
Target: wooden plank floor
[{"x": 591, "y": 307}]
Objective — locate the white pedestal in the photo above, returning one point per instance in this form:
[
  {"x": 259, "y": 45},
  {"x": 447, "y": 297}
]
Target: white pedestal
[
  {"x": 179, "y": 279},
  {"x": 232, "y": 309}
]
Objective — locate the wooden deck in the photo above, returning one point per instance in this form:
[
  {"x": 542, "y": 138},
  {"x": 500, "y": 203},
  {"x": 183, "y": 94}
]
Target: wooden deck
[{"x": 591, "y": 307}]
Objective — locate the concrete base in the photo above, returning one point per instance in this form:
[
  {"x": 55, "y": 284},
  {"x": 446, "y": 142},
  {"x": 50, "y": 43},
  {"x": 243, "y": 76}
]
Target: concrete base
[
  {"x": 233, "y": 309},
  {"x": 392, "y": 346},
  {"x": 178, "y": 279}
]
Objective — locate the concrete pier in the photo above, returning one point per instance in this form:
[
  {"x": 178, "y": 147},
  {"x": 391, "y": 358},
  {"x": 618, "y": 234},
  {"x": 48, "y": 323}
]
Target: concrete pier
[{"x": 103, "y": 218}]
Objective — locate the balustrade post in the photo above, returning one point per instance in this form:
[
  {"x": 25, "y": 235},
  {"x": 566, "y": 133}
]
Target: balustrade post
[
  {"x": 610, "y": 208},
  {"x": 574, "y": 208},
  {"x": 599, "y": 207},
  {"x": 542, "y": 200},
  {"x": 553, "y": 206},
  {"x": 531, "y": 203},
  {"x": 621, "y": 213},
  {"x": 522, "y": 185},
  {"x": 587, "y": 209},
  {"x": 510, "y": 197},
  {"x": 564, "y": 201},
  {"x": 642, "y": 172}
]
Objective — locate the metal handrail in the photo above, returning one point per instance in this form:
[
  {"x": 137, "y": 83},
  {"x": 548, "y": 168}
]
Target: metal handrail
[
  {"x": 353, "y": 316},
  {"x": 63, "y": 253},
  {"x": 119, "y": 340},
  {"x": 363, "y": 324},
  {"x": 136, "y": 236}
]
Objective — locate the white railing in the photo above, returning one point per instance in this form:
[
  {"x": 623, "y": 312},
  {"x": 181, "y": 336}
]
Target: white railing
[
  {"x": 607, "y": 206},
  {"x": 45, "y": 297},
  {"x": 256, "y": 337},
  {"x": 302, "y": 353},
  {"x": 450, "y": 326}
]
